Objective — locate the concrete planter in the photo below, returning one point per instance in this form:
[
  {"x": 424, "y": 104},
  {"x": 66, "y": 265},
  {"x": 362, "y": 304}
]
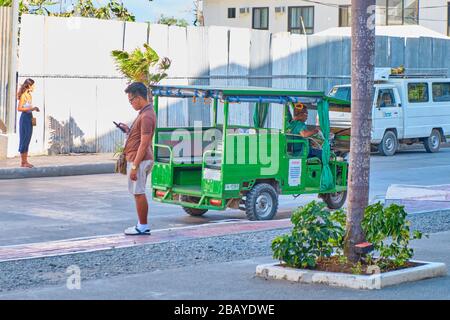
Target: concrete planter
[{"x": 374, "y": 281}]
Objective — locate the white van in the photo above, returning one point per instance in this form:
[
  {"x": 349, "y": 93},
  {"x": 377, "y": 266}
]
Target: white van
[{"x": 408, "y": 108}]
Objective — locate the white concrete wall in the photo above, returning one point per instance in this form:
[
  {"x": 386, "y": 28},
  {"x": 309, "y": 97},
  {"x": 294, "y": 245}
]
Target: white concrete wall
[
  {"x": 216, "y": 13},
  {"x": 434, "y": 18},
  {"x": 80, "y": 91}
]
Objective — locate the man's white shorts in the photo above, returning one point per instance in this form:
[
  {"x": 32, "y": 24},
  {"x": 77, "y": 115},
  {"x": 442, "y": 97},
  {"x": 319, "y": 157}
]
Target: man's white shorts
[{"x": 138, "y": 186}]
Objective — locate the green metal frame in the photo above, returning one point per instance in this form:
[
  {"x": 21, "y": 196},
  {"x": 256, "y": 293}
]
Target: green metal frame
[{"x": 229, "y": 181}]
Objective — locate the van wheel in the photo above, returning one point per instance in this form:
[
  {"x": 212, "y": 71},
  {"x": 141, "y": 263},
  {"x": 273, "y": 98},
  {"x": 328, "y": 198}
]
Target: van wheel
[
  {"x": 261, "y": 202},
  {"x": 433, "y": 142},
  {"x": 334, "y": 200},
  {"x": 195, "y": 212},
  {"x": 389, "y": 145}
]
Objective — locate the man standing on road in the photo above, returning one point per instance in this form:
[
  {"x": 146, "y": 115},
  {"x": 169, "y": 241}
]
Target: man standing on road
[{"x": 139, "y": 153}]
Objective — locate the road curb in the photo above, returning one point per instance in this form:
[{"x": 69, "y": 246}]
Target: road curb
[
  {"x": 57, "y": 171},
  {"x": 425, "y": 270}
]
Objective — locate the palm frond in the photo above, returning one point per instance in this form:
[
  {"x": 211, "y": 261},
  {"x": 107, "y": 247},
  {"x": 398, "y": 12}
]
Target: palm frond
[{"x": 141, "y": 65}]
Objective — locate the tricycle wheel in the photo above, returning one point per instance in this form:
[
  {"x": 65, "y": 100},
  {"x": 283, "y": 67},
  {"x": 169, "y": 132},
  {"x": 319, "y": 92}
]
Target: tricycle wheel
[
  {"x": 261, "y": 202},
  {"x": 334, "y": 200},
  {"x": 195, "y": 212}
]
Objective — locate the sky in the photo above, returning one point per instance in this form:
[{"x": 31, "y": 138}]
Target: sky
[{"x": 145, "y": 10}]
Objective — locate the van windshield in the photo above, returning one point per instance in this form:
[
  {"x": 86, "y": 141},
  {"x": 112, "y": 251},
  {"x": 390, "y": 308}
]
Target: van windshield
[{"x": 342, "y": 93}]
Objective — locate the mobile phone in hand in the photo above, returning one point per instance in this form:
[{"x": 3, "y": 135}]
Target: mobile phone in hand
[{"x": 118, "y": 126}]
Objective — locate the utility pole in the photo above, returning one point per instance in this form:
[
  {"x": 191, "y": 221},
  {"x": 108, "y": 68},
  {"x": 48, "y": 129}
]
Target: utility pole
[
  {"x": 12, "y": 74},
  {"x": 199, "y": 13},
  {"x": 363, "y": 60}
]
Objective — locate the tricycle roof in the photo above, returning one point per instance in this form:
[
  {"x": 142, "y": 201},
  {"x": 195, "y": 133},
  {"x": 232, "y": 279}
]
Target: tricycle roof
[{"x": 244, "y": 94}]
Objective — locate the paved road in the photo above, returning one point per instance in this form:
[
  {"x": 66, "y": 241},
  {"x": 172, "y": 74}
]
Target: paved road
[{"x": 44, "y": 209}]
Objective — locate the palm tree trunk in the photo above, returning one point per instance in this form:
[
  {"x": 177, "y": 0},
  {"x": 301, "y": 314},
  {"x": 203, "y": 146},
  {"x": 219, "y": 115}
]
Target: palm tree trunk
[
  {"x": 363, "y": 56},
  {"x": 149, "y": 94}
]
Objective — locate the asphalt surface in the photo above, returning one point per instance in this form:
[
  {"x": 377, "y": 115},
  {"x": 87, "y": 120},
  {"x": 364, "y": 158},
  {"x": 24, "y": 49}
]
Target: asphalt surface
[{"x": 45, "y": 209}]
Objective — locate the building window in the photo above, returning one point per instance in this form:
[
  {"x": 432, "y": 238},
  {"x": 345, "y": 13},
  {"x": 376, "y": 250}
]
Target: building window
[
  {"x": 345, "y": 16},
  {"x": 261, "y": 18},
  {"x": 411, "y": 12},
  {"x": 381, "y": 12},
  {"x": 397, "y": 12},
  {"x": 417, "y": 92},
  {"x": 231, "y": 13},
  {"x": 448, "y": 20},
  {"x": 301, "y": 20}
]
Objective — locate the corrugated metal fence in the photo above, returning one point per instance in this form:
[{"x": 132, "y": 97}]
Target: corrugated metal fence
[
  {"x": 5, "y": 25},
  {"x": 80, "y": 92}
]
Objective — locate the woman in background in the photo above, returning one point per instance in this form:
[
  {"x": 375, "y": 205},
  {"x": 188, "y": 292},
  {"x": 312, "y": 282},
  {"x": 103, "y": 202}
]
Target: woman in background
[{"x": 25, "y": 122}]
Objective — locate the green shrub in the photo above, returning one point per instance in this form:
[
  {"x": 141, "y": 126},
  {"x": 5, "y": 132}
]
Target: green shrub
[
  {"x": 316, "y": 233},
  {"x": 389, "y": 232}
]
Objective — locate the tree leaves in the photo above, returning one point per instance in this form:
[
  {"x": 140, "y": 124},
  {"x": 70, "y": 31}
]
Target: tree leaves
[
  {"x": 83, "y": 8},
  {"x": 316, "y": 233},
  {"x": 389, "y": 224},
  {"x": 171, "y": 21},
  {"x": 142, "y": 65},
  {"x": 5, "y": 3}
]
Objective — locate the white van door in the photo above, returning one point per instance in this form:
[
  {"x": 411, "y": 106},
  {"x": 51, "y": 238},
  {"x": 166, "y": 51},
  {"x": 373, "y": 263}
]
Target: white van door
[{"x": 387, "y": 113}]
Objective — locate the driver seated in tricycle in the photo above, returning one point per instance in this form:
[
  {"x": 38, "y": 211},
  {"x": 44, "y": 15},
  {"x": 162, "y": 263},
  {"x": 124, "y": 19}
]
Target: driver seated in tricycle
[{"x": 298, "y": 127}]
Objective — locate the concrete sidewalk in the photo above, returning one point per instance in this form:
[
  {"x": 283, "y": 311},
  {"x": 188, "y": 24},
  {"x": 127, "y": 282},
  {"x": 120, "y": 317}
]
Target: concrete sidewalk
[
  {"x": 419, "y": 198},
  {"x": 60, "y": 165}
]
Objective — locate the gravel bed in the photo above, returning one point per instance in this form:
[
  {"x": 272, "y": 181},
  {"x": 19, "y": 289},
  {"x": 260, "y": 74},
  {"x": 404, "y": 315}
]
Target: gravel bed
[
  {"x": 26, "y": 274},
  {"x": 431, "y": 222}
]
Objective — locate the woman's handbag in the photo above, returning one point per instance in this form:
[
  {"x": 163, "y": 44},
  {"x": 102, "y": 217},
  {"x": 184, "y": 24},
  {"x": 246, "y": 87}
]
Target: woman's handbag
[
  {"x": 121, "y": 164},
  {"x": 33, "y": 121}
]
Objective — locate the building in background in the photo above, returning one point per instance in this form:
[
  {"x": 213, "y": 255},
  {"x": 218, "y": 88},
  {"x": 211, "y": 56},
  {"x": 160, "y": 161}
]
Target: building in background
[{"x": 308, "y": 17}]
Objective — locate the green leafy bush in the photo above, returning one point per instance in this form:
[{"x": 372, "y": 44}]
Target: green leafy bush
[
  {"x": 316, "y": 233},
  {"x": 389, "y": 232}
]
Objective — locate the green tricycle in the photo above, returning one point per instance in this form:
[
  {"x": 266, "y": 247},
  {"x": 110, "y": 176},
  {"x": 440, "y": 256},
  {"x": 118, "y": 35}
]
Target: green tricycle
[{"x": 226, "y": 165}]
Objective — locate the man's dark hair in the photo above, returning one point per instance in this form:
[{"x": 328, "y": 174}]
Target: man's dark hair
[{"x": 137, "y": 89}]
